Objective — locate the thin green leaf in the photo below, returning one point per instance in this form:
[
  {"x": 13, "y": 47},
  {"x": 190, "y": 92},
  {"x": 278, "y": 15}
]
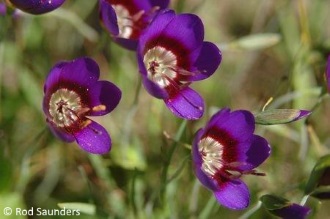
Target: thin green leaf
[
  {"x": 179, "y": 170},
  {"x": 31, "y": 89},
  {"x": 257, "y": 41},
  {"x": 272, "y": 202},
  {"x": 318, "y": 173},
  {"x": 279, "y": 116},
  {"x": 322, "y": 192}
]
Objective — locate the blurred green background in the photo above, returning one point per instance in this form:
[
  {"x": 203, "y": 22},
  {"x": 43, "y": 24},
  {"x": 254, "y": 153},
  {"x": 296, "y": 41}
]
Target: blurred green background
[{"x": 273, "y": 48}]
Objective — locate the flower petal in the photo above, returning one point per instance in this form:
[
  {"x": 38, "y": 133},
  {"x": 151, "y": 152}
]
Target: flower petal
[
  {"x": 105, "y": 96},
  {"x": 188, "y": 29},
  {"x": 108, "y": 17},
  {"x": 256, "y": 154},
  {"x": 205, "y": 180},
  {"x": 160, "y": 3},
  {"x": 139, "y": 57},
  {"x": 81, "y": 72},
  {"x": 222, "y": 115},
  {"x": 94, "y": 138},
  {"x": 239, "y": 124},
  {"x": 154, "y": 89},
  {"x": 187, "y": 104},
  {"x": 234, "y": 194},
  {"x": 159, "y": 23},
  {"x": 197, "y": 161},
  {"x": 182, "y": 34},
  {"x": 129, "y": 44},
  {"x": 3, "y": 9},
  {"x": 60, "y": 133},
  {"x": 207, "y": 62},
  {"x": 195, "y": 153},
  {"x": 54, "y": 76},
  {"x": 294, "y": 211},
  {"x": 303, "y": 114},
  {"x": 37, "y": 6}
]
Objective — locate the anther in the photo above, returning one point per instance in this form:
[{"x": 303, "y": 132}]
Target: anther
[{"x": 99, "y": 108}]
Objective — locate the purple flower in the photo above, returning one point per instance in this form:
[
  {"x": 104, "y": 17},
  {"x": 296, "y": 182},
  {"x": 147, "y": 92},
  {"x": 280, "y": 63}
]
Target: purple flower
[
  {"x": 73, "y": 92},
  {"x": 171, "y": 55},
  {"x": 327, "y": 74},
  {"x": 126, "y": 19},
  {"x": 225, "y": 150},
  {"x": 3, "y": 9},
  {"x": 37, "y": 6},
  {"x": 292, "y": 211}
]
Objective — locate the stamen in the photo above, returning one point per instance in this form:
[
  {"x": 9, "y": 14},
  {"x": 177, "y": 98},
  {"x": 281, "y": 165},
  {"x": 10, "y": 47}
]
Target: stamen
[
  {"x": 162, "y": 68},
  {"x": 211, "y": 152},
  {"x": 86, "y": 123},
  {"x": 254, "y": 172},
  {"x": 160, "y": 64},
  {"x": 124, "y": 20},
  {"x": 138, "y": 16},
  {"x": 128, "y": 23},
  {"x": 65, "y": 107},
  {"x": 153, "y": 10},
  {"x": 99, "y": 108},
  {"x": 235, "y": 173}
]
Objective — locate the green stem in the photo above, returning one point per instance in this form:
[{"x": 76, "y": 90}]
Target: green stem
[
  {"x": 179, "y": 170},
  {"x": 73, "y": 19},
  {"x": 168, "y": 159},
  {"x": 25, "y": 167},
  {"x": 193, "y": 205},
  {"x": 132, "y": 193},
  {"x": 137, "y": 92},
  {"x": 180, "y": 5},
  {"x": 304, "y": 200},
  {"x": 130, "y": 117},
  {"x": 208, "y": 208},
  {"x": 251, "y": 211},
  {"x": 321, "y": 98}
]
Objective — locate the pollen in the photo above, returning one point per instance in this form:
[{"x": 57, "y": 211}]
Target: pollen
[
  {"x": 99, "y": 108},
  {"x": 65, "y": 107},
  {"x": 211, "y": 152}
]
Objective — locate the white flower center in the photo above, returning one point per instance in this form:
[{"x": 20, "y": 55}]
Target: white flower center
[
  {"x": 65, "y": 107},
  {"x": 211, "y": 152},
  {"x": 161, "y": 65},
  {"x": 124, "y": 20}
]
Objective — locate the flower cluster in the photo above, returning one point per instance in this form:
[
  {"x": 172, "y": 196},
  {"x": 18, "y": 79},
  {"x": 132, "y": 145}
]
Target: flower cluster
[{"x": 171, "y": 54}]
